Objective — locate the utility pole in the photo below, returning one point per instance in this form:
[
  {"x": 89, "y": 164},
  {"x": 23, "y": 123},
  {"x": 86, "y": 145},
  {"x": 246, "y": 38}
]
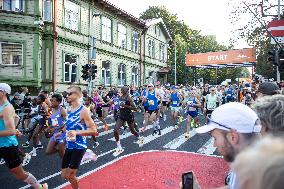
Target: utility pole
[
  {"x": 277, "y": 67},
  {"x": 175, "y": 63}
]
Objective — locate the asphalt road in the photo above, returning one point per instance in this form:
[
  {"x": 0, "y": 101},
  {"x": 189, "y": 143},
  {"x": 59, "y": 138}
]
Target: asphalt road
[{"x": 47, "y": 168}]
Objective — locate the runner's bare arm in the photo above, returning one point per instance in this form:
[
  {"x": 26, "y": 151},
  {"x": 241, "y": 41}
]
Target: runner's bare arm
[
  {"x": 198, "y": 104},
  {"x": 63, "y": 113},
  {"x": 8, "y": 117},
  {"x": 92, "y": 127}
]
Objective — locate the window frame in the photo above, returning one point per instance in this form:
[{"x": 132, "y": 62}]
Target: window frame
[
  {"x": 107, "y": 26},
  {"x": 78, "y": 18},
  {"x": 135, "y": 40},
  {"x": 120, "y": 33},
  {"x": 120, "y": 73},
  {"x": 13, "y": 2},
  {"x": 50, "y": 10},
  {"x": 135, "y": 76},
  {"x": 162, "y": 52},
  {"x": 70, "y": 68},
  {"x": 104, "y": 79},
  {"x": 151, "y": 48},
  {"x": 22, "y": 53}
]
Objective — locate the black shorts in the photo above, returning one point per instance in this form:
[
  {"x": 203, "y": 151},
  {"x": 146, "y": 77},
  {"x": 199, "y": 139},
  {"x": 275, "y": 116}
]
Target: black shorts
[
  {"x": 99, "y": 111},
  {"x": 11, "y": 156},
  {"x": 152, "y": 111},
  {"x": 146, "y": 108},
  {"x": 72, "y": 158},
  {"x": 129, "y": 118},
  {"x": 209, "y": 112},
  {"x": 165, "y": 103}
]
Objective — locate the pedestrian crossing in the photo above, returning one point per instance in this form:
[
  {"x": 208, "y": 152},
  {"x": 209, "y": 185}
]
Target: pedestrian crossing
[{"x": 177, "y": 142}]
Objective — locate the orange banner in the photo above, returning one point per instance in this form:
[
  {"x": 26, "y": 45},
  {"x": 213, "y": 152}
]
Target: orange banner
[{"x": 222, "y": 57}]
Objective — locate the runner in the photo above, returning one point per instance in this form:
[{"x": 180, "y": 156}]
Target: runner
[
  {"x": 229, "y": 94},
  {"x": 192, "y": 104},
  {"x": 211, "y": 103},
  {"x": 79, "y": 124},
  {"x": 126, "y": 105},
  {"x": 152, "y": 110},
  {"x": 9, "y": 150},
  {"x": 175, "y": 100},
  {"x": 97, "y": 99},
  {"x": 56, "y": 122},
  {"x": 165, "y": 103}
]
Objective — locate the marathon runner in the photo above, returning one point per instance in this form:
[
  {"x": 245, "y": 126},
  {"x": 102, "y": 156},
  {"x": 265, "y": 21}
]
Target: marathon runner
[
  {"x": 211, "y": 103},
  {"x": 97, "y": 99},
  {"x": 9, "y": 150},
  {"x": 79, "y": 124},
  {"x": 175, "y": 100},
  {"x": 126, "y": 105}
]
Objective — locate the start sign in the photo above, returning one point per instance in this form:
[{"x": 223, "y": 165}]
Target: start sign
[{"x": 276, "y": 28}]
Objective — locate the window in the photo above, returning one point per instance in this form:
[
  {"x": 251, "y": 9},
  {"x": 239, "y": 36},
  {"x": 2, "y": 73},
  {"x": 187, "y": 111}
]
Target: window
[
  {"x": 135, "y": 43},
  {"x": 47, "y": 10},
  {"x": 106, "y": 72},
  {"x": 11, "y": 53},
  {"x": 121, "y": 35},
  {"x": 151, "y": 77},
  {"x": 135, "y": 76},
  {"x": 162, "y": 52},
  {"x": 71, "y": 15},
  {"x": 12, "y": 5},
  {"x": 151, "y": 48},
  {"x": 121, "y": 75},
  {"x": 70, "y": 68},
  {"x": 106, "y": 29}
]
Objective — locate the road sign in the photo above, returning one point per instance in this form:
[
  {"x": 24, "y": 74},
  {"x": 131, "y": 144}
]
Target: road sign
[
  {"x": 278, "y": 39},
  {"x": 276, "y": 28}
]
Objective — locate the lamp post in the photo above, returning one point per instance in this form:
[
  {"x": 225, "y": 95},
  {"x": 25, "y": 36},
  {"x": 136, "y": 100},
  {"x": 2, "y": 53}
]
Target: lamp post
[{"x": 175, "y": 64}]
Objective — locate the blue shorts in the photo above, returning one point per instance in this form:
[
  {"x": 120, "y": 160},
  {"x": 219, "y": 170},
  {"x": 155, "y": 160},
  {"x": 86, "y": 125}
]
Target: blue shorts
[
  {"x": 59, "y": 139},
  {"x": 192, "y": 114}
]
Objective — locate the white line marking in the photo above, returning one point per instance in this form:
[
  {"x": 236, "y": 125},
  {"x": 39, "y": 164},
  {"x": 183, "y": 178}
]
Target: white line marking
[
  {"x": 59, "y": 172},
  {"x": 128, "y": 134},
  {"x": 150, "y": 137},
  {"x": 208, "y": 148},
  {"x": 127, "y": 155},
  {"x": 177, "y": 142}
]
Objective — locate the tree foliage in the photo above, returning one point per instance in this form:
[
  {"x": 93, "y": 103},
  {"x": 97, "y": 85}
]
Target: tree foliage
[{"x": 187, "y": 39}]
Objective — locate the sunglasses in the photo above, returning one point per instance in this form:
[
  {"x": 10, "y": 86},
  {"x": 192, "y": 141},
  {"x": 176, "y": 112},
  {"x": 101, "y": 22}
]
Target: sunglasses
[
  {"x": 150, "y": 86},
  {"x": 70, "y": 93},
  {"x": 221, "y": 125}
]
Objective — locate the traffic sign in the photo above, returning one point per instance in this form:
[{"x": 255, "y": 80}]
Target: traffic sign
[{"x": 276, "y": 28}]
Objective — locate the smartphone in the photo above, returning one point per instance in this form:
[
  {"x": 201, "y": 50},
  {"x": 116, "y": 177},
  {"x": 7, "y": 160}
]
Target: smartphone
[{"x": 187, "y": 180}]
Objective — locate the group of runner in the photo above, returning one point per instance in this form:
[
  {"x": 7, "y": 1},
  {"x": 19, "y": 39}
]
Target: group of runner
[{"x": 69, "y": 119}]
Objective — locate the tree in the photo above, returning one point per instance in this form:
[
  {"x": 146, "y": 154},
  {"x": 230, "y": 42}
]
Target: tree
[{"x": 186, "y": 39}]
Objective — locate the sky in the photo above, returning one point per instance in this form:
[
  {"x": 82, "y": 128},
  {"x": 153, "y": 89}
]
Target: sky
[{"x": 211, "y": 17}]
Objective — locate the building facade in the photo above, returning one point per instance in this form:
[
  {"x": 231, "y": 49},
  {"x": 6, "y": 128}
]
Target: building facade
[{"x": 44, "y": 43}]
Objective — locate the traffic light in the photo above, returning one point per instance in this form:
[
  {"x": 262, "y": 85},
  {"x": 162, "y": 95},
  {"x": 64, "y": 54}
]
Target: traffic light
[
  {"x": 86, "y": 71},
  {"x": 273, "y": 57},
  {"x": 94, "y": 70}
]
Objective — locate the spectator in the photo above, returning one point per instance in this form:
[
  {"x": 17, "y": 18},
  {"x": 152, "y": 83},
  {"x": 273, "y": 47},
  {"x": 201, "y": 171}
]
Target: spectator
[
  {"x": 15, "y": 102},
  {"x": 267, "y": 88},
  {"x": 233, "y": 126},
  {"x": 23, "y": 93},
  {"x": 270, "y": 110},
  {"x": 261, "y": 166}
]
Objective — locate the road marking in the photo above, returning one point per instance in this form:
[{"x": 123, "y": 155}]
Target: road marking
[
  {"x": 208, "y": 148},
  {"x": 59, "y": 172},
  {"x": 150, "y": 137},
  {"x": 177, "y": 142},
  {"x": 128, "y": 134}
]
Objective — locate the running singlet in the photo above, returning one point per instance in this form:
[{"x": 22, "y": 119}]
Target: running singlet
[
  {"x": 152, "y": 100},
  {"x": 211, "y": 102},
  {"x": 116, "y": 103},
  {"x": 230, "y": 92},
  {"x": 175, "y": 99},
  {"x": 56, "y": 120},
  {"x": 73, "y": 122},
  {"x": 6, "y": 141},
  {"x": 96, "y": 100},
  {"x": 191, "y": 104}
]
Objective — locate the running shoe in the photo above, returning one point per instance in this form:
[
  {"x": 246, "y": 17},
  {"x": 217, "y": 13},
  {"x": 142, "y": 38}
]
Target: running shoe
[
  {"x": 106, "y": 127},
  {"x": 154, "y": 132},
  {"x": 89, "y": 155},
  {"x": 33, "y": 153},
  {"x": 26, "y": 159},
  {"x": 180, "y": 119},
  {"x": 39, "y": 146},
  {"x": 159, "y": 132},
  {"x": 25, "y": 145},
  {"x": 187, "y": 135},
  {"x": 2, "y": 161},
  {"x": 44, "y": 186},
  {"x": 143, "y": 129},
  {"x": 140, "y": 141},
  {"x": 118, "y": 151},
  {"x": 96, "y": 144},
  {"x": 176, "y": 126}
]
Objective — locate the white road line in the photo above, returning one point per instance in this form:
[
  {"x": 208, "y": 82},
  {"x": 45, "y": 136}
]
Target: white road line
[
  {"x": 128, "y": 134},
  {"x": 208, "y": 148},
  {"x": 58, "y": 173},
  {"x": 177, "y": 142},
  {"x": 150, "y": 137}
]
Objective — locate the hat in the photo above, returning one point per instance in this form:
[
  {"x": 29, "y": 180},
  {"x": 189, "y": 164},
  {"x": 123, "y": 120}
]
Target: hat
[
  {"x": 5, "y": 87},
  {"x": 268, "y": 88},
  {"x": 234, "y": 115},
  {"x": 174, "y": 87},
  {"x": 150, "y": 85},
  {"x": 17, "y": 94}
]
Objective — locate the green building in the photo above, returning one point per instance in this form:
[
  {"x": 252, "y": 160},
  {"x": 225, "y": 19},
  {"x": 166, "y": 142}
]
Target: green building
[{"x": 44, "y": 43}]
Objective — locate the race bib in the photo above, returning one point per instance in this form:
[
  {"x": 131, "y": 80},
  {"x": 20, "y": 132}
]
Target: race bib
[
  {"x": 175, "y": 102},
  {"x": 54, "y": 122},
  {"x": 115, "y": 103},
  {"x": 211, "y": 105}
]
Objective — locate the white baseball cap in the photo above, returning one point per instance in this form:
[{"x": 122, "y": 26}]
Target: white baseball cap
[
  {"x": 234, "y": 115},
  {"x": 5, "y": 87}
]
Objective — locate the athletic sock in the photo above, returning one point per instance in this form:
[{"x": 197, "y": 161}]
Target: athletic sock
[
  {"x": 118, "y": 144},
  {"x": 39, "y": 143},
  {"x": 31, "y": 180}
]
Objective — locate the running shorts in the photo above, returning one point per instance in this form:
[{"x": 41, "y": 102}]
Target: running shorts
[
  {"x": 152, "y": 111},
  {"x": 175, "y": 109},
  {"x": 72, "y": 158},
  {"x": 192, "y": 114},
  {"x": 165, "y": 103},
  {"x": 99, "y": 111},
  {"x": 59, "y": 139},
  {"x": 11, "y": 156}
]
